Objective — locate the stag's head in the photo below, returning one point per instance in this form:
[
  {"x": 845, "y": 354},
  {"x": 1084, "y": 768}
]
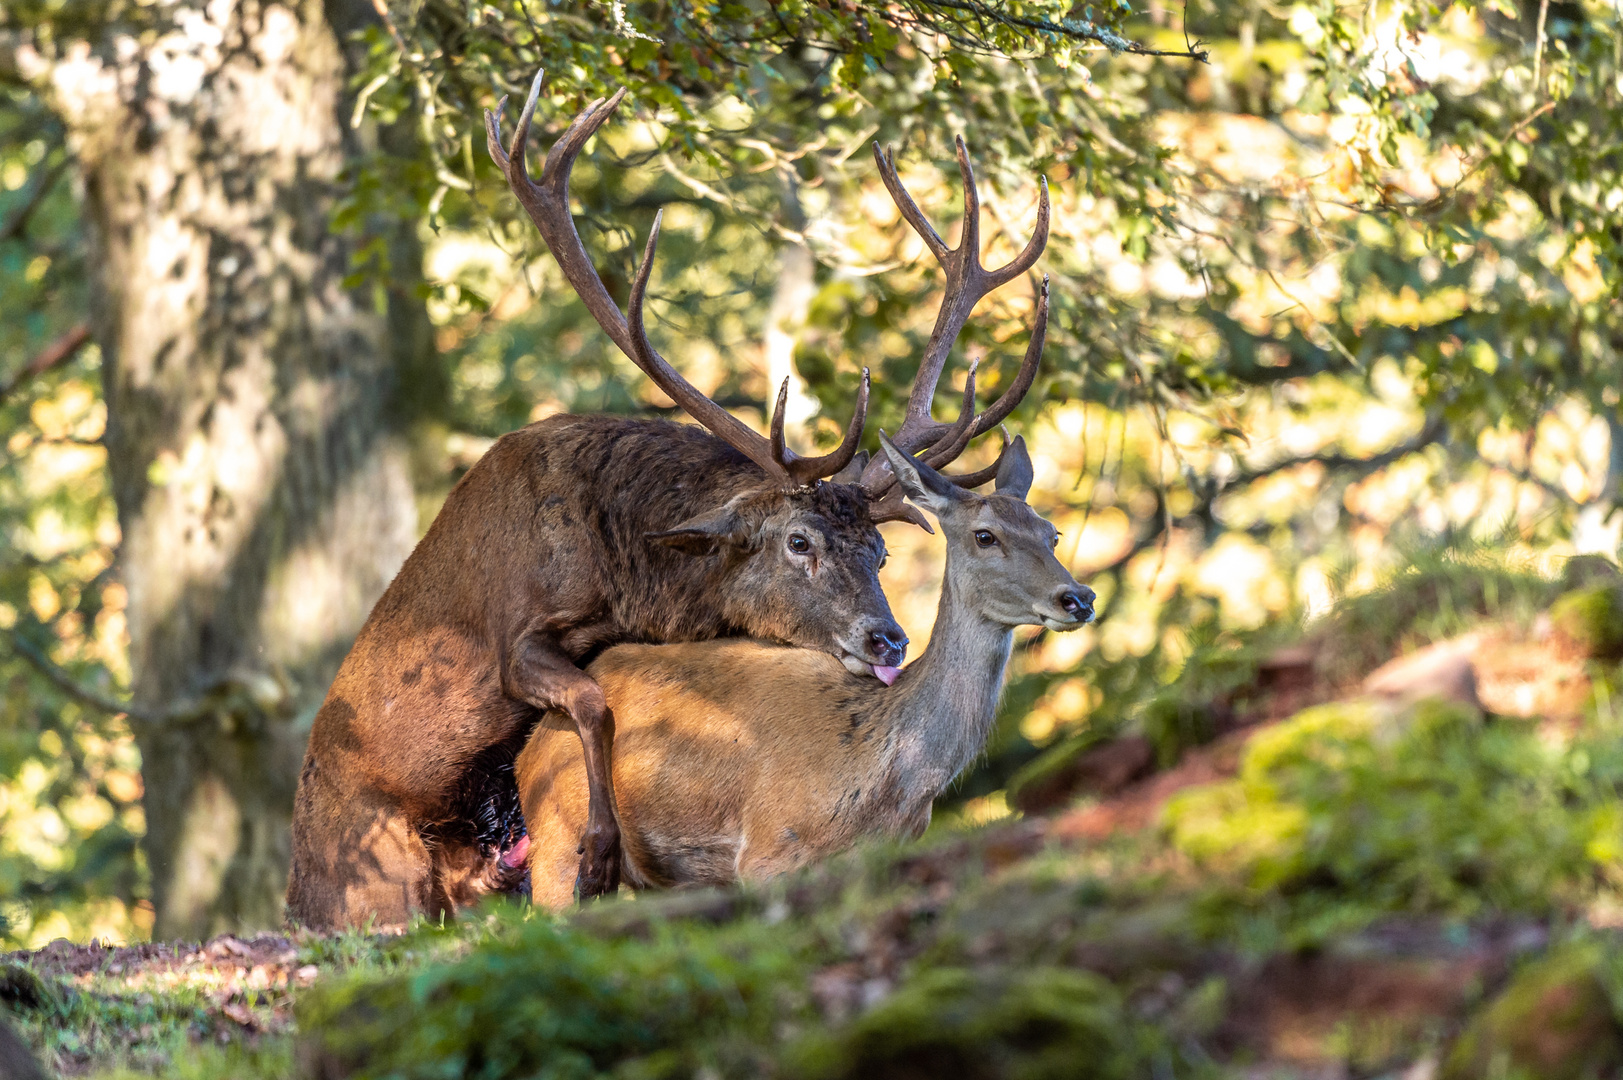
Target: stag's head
[
  {"x": 803, "y": 569},
  {"x": 804, "y": 552},
  {"x": 1000, "y": 552}
]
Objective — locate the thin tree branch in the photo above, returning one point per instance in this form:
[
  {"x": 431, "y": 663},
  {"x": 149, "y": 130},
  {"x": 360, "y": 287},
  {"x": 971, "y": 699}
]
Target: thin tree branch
[
  {"x": 1433, "y": 431},
  {"x": 227, "y": 695},
  {"x": 72, "y": 687},
  {"x": 18, "y": 221},
  {"x": 1538, "y": 48},
  {"x": 53, "y": 355},
  {"x": 1071, "y": 29}
]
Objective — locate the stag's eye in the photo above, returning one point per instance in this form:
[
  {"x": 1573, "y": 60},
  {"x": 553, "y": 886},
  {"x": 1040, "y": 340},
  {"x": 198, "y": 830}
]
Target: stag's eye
[
  {"x": 984, "y": 538},
  {"x": 799, "y": 544},
  {"x": 883, "y": 559}
]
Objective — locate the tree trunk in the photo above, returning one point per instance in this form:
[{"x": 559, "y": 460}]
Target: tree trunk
[{"x": 254, "y": 431}]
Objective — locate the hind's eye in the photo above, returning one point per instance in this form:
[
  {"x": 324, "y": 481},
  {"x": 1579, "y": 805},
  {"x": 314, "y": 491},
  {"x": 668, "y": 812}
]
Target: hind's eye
[
  {"x": 799, "y": 544},
  {"x": 984, "y": 538},
  {"x": 883, "y": 559}
]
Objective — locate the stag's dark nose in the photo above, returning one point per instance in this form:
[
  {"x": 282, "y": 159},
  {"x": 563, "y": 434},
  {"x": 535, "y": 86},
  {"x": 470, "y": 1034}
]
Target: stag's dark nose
[
  {"x": 888, "y": 646},
  {"x": 1077, "y": 602}
]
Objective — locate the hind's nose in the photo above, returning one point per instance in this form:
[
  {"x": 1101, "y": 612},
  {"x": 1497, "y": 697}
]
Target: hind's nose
[
  {"x": 1077, "y": 602},
  {"x": 888, "y": 646}
]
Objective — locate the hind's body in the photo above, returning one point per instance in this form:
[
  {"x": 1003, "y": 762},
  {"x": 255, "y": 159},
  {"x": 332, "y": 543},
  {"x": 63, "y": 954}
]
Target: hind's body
[
  {"x": 737, "y": 760},
  {"x": 723, "y": 766}
]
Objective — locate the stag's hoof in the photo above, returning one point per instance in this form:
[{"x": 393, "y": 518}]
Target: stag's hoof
[{"x": 599, "y": 873}]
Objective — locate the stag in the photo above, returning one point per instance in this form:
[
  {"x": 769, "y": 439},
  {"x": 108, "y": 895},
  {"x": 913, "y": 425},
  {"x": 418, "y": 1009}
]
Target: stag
[
  {"x": 740, "y": 760},
  {"x": 581, "y": 532}
]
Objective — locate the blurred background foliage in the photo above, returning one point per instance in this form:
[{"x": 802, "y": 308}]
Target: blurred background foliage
[{"x": 1335, "y": 296}]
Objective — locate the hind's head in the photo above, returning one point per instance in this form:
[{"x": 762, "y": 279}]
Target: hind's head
[{"x": 1000, "y": 552}]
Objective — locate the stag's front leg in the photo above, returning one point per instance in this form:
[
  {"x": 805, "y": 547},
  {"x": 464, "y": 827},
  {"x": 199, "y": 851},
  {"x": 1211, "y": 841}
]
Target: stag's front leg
[{"x": 540, "y": 673}]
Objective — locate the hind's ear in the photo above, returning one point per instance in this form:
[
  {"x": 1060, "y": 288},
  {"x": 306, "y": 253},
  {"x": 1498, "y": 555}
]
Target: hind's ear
[
  {"x": 852, "y": 472},
  {"x": 1014, "y": 472},
  {"x": 919, "y": 482},
  {"x": 708, "y": 532}
]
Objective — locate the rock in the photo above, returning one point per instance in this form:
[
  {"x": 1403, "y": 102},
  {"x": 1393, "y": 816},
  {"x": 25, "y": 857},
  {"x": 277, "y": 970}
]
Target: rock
[
  {"x": 1554, "y": 1021},
  {"x": 16, "y": 1062},
  {"x": 1442, "y": 671},
  {"x": 1590, "y": 620},
  {"x": 1058, "y": 777}
]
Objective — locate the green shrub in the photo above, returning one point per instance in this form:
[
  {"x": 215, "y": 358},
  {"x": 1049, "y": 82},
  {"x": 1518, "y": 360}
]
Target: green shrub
[
  {"x": 1349, "y": 810},
  {"x": 1556, "y": 1020}
]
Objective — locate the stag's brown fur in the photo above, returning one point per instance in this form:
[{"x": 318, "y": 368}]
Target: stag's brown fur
[
  {"x": 540, "y": 558},
  {"x": 738, "y": 759}
]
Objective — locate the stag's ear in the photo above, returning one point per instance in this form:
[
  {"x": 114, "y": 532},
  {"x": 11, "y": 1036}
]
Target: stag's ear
[
  {"x": 919, "y": 482},
  {"x": 708, "y": 532},
  {"x": 1014, "y": 471},
  {"x": 852, "y": 472}
]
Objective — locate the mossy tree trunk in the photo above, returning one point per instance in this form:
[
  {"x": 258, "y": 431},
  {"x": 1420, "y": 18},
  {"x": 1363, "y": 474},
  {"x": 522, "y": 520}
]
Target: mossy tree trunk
[{"x": 255, "y": 424}]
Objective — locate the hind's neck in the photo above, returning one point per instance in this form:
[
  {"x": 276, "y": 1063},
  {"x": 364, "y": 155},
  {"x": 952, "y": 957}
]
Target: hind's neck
[{"x": 947, "y": 699}]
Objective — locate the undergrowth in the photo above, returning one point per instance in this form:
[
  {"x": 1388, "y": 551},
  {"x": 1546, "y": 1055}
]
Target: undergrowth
[
  {"x": 1006, "y": 952},
  {"x": 1351, "y": 811},
  {"x": 1200, "y": 679}
]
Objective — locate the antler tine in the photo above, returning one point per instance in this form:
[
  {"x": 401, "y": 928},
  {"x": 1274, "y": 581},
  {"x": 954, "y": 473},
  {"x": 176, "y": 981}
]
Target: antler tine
[
  {"x": 547, "y": 202},
  {"x": 892, "y": 508},
  {"x": 967, "y": 282},
  {"x": 969, "y": 239},
  {"x": 904, "y": 202},
  {"x": 722, "y": 423},
  {"x": 1016, "y": 393},
  {"x": 886, "y": 504},
  {"x": 980, "y": 476},
  {"x": 807, "y": 469},
  {"x": 1034, "y": 247},
  {"x": 957, "y": 437},
  {"x": 951, "y": 445}
]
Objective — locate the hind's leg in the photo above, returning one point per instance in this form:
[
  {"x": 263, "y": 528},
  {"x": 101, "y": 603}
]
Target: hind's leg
[{"x": 552, "y": 787}]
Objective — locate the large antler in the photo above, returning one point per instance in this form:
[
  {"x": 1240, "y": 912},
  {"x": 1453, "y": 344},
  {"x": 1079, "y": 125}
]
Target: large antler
[
  {"x": 547, "y": 203},
  {"x": 771, "y": 454},
  {"x": 885, "y": 496},
  {"x": 967, "y": 282}
]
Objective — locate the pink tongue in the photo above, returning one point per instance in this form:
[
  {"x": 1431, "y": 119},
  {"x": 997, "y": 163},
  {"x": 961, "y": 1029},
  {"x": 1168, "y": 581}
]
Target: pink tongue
[
  {"x": 886, "y": 675},
  {"x": 513, "y": 857}
]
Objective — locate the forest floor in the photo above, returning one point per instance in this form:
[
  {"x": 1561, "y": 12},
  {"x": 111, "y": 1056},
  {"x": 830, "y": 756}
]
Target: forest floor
[{"x": 1407, "y": 870}]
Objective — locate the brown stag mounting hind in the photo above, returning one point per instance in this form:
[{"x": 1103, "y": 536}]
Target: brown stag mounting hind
[
  {"x": 735, "y": 759},
  {"x": 567, "y": 537}
]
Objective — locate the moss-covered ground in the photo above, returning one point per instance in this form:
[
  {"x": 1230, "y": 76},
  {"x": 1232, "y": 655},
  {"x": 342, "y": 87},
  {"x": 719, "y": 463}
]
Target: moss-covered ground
[{"x": 1343, "y": 884}]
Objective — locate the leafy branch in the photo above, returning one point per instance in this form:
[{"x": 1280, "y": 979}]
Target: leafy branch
[{"x": 1434, "y": 430}]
